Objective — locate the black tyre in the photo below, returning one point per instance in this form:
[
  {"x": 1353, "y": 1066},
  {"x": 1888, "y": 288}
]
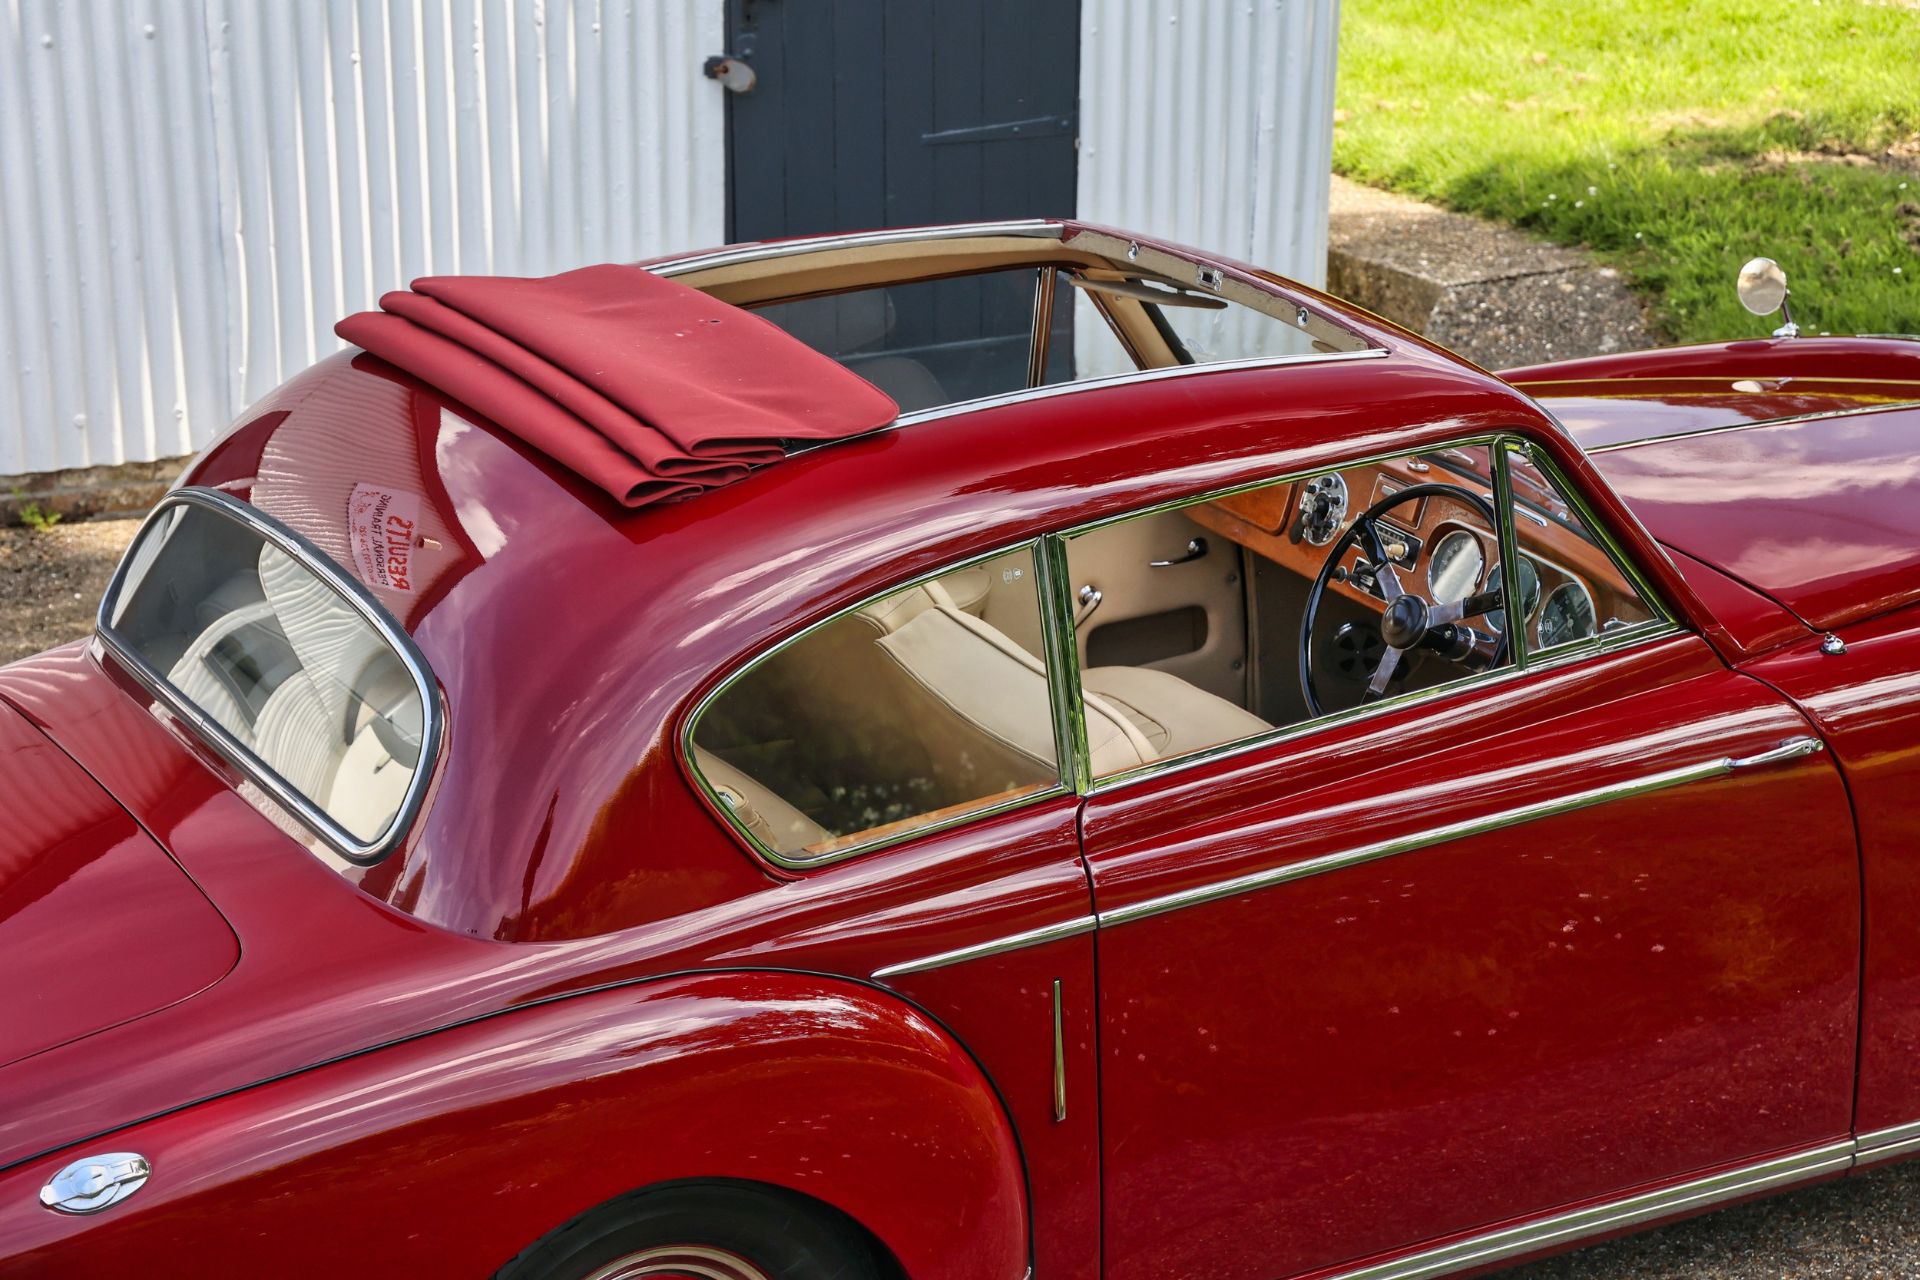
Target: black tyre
[{"x": 698, "y": 1231}]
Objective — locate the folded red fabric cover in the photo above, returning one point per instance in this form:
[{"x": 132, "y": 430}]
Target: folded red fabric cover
[{"x": 649, "y": 389}]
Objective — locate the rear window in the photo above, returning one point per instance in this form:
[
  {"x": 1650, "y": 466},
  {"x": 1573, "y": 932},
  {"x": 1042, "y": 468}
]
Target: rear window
[{"x": 287, "y": 669}]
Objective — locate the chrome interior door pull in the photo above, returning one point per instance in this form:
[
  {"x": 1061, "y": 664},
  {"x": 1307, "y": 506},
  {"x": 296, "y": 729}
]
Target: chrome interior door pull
[
  {"x": 1196, "y": 547},
  {"x": 1791, "y": 749}
]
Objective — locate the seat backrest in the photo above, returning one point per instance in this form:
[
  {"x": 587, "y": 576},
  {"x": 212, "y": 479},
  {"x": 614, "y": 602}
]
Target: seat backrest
[{"x": 974, "y": 672}]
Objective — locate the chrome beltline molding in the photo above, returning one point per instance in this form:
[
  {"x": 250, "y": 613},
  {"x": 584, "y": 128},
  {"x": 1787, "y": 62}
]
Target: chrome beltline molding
[
  {"x": 1791, "y": 749},
  {"x": 991, "y": 947},
  {"x": 1581, "y": 1224},
  {"x": 1453, "y": 831}
]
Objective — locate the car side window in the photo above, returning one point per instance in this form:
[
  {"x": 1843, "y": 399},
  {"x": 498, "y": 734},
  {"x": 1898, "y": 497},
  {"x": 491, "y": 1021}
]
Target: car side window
[
  {"x": 923, "y": 707},
  {"x": 1573, "y": 589},
  {"x": 1233, "y": 616}
]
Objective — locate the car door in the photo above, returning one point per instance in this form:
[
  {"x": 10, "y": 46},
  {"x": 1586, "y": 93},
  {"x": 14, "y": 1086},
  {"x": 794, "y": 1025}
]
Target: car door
[{"x": 1398, "y": 977}]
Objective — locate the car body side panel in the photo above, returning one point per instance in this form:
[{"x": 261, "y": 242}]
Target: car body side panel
[
  {"x": 1506, "y": 1022},
  {"x": 457, "y": 1151},
  {"x": 1866, "y": 702}
]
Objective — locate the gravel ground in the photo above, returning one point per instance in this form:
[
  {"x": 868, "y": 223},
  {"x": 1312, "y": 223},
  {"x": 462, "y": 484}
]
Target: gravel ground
[
  {"x": 50, "y": 582},
  {"x": 1861, "y": 1228}
]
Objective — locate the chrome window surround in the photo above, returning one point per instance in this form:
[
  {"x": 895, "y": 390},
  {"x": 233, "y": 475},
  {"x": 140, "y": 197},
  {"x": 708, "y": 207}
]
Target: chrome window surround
[
  {"x": 1035, "y": 228},
  {"x": 1039, "y": 228},
  {"x": 1660, "y": 625},
  {"x": 792, "y": 861},
  {"x": 229, "y": 748}
]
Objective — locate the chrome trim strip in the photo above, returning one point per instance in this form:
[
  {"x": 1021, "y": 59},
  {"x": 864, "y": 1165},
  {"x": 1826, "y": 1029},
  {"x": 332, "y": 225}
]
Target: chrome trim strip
[
  {"x": 1887, "y": 1144},
  {"x": 1063, "y": 660},
  {"x": 1125, "y": 379},
  {"x": 1791, "y": 749},
  {"x": 992, "y": 947},
  {"x": 1059, "y": 1057},
  {"x": 1413, "y": 841},
  {"x": 1748, "y": 426},
  {"x": 1580, "y": 1224},
  {"x": 230, "y": 748},
  {"x": 1039, "y": 228}
]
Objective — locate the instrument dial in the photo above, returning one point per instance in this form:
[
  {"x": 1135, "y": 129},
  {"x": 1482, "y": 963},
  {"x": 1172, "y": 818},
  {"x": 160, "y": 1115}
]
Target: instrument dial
[
  {"x": 1323, "y": 508},
  {"x": 1454, "y": 569},
  {"x": 1529, "y": 594},
  {"x": 1567, "y": 616}
]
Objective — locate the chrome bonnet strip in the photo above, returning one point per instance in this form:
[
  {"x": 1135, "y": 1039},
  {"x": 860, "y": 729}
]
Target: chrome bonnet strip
[
  {"x": 1580, "y": 1224},
  {"x": 1725, "y": 427},
  {"x": 1791, "y": 749},
  {"x": 991, "y": 947}
]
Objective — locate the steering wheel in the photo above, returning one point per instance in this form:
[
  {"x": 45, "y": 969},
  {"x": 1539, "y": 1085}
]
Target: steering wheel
[{"x": 1407, "y": 620}]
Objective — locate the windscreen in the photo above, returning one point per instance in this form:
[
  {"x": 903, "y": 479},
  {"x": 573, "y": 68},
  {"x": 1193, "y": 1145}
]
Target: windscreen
[{"x": 255, "y": 643}]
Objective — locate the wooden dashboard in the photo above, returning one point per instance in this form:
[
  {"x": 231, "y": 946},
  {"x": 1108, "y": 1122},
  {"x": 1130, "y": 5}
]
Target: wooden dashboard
[{"x": 1274, "y": 523}]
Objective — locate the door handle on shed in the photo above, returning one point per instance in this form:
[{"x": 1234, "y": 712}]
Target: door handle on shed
[
  {"x": 1196, "y": 547},
  {"x": 1791, "y": 749}
]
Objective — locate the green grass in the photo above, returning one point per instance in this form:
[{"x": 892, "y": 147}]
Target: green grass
[{"x": 1676, "y": 138}]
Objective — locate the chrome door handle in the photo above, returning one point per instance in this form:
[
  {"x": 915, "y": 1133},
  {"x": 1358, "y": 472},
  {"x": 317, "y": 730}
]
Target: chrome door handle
[
  {"x": 1791, "y": 749},
  {"x": 1090, "y": 597},
  {"x": 1196, "y": 547}
]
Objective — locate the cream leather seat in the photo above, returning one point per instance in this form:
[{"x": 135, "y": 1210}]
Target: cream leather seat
[
  {"x": 773, "y": 821},
  {"x": 1133, "y": 715},
  {"x": 1172, "y": 715}
]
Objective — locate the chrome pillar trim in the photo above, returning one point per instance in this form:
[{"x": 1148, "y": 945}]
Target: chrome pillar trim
[
  {"x": 228, "y": 747},
  {"x": 733, "y": 256},
  {"x": 1595, "y": 1220},
  {"x": 1417, "y": 840},
  {"x": 992, "y": 947},
  {"x": 1509, "y": 540},
  {"x": 1887, "y": 1144},
  {"x": 1062, "y": 644},
  {"x": 1791, "y": 749},
  {"x": 1041, "y": 338},
  {"x": 1059, "y": 1057}
]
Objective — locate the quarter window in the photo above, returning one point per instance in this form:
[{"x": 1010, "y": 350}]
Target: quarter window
[{"x": 928, "y": 705}]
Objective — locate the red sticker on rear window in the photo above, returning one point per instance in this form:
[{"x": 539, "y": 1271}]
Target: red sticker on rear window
[{"x": 383, "y": 525}]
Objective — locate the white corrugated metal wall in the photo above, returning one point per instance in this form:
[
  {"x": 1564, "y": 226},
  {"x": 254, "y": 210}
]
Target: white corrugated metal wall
[
  {"x": 1209, "y": 123},
  {"x": 193, "y": 191}
]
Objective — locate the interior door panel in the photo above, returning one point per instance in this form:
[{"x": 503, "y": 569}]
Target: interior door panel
[
  {"x": 1188, "y": 619},
  {"x": 1405, "y": 1027}
]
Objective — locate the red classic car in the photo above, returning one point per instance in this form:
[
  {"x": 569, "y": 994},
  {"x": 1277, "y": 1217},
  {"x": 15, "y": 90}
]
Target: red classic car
[{"x": 877, "y": 756}]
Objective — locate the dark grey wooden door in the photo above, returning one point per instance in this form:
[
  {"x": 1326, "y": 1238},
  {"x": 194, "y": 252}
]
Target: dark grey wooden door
[{"x": 893, "y": 113}]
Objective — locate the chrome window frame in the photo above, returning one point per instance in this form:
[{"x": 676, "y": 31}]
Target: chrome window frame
[
  {"x": 1522, "y": 663},
  {"x": 1041, "y": 229},
  {"x": 1045, "y": 588},
  {"x": 230, "y": 748}
]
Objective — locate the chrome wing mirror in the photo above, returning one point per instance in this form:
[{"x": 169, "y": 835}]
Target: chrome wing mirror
[{"x": 1763, "y": 291}]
